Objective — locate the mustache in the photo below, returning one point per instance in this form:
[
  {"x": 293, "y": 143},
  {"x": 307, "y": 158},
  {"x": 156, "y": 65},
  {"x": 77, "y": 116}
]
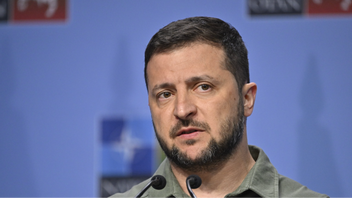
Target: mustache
[{"x": 185, "y": 123}]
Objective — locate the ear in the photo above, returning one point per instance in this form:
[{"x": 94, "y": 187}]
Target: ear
[{"x": 249, "y": 92}]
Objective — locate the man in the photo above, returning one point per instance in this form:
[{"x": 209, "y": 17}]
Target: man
[{"x": 197, "y": 77}]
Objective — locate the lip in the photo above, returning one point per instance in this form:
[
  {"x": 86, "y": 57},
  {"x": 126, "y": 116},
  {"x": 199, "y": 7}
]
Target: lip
[{"x": 189, "y": 131}]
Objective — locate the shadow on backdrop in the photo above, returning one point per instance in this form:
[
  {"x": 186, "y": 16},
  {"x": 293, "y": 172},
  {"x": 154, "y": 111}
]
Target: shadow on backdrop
[
  {"x": 316, "y": 160},
  {"x": 16, "y": 176},
  {"x": 122, "y": 81},
  {"x": 127, "y": 154}
]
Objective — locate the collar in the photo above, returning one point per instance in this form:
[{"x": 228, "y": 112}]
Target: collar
[
  {"x": 262, "y": 179},
  {"x": 172, "y": 188}
]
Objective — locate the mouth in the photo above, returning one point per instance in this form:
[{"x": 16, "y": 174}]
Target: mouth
[{"x": 187, "y": 131}]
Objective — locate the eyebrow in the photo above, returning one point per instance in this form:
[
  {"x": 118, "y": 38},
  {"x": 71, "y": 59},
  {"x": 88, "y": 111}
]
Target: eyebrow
[
  {"x": 188, "y": 81},
  {"x": 162, "y": 86},
  {"x": 199, "y": 78}
]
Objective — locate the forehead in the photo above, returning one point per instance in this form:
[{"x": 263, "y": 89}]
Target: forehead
[{"x": 193, "y": 59}]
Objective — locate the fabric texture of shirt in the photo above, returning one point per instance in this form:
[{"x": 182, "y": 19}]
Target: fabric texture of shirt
[{"x": 262, "y": 180}]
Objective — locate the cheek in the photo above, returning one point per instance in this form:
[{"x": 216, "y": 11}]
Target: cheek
[
  {"x": 222, "y": 107},
  {"x": 160, "y": 124},
  {"x": 218, "y": 111},
  {"x": 162, "y": 117}
]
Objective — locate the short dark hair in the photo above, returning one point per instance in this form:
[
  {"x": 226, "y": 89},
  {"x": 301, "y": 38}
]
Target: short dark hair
[{"x": 207, "y": 30}]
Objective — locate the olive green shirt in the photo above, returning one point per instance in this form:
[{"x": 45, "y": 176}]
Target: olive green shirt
[{"x": 262, "y": 180}]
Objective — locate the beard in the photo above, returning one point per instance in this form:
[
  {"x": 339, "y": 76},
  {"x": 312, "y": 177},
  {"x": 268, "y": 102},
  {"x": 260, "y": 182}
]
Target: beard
[{"x": 216, "y": 153}]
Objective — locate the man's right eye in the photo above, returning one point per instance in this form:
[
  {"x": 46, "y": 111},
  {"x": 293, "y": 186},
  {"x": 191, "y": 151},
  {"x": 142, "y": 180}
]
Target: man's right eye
[{"x": 164, "y": 95}]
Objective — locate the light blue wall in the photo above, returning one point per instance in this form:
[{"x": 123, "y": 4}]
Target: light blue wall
[{"x": 59, "y": 80}]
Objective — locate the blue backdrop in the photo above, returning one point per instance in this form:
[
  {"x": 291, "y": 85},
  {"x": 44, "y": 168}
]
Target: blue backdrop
[{"x": 59, "y": 81}]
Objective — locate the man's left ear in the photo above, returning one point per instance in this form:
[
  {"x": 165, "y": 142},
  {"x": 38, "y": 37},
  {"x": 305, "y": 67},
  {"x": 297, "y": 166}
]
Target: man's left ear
[{"x": 249, "y": 92}]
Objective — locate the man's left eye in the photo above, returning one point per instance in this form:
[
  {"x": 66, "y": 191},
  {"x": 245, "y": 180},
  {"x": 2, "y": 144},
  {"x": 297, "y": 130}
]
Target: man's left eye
[{"x": 204, "y": 87}]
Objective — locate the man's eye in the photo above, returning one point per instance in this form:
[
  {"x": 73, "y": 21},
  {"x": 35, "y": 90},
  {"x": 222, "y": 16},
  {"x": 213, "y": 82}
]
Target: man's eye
[
  {"x": 204, "y": 87},
  {"x": 165, "y": 95}
]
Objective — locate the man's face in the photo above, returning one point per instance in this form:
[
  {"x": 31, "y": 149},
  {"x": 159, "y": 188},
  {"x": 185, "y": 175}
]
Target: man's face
[{"x": 196, "y": 109}]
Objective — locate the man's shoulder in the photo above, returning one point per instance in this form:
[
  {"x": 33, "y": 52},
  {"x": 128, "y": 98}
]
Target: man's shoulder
[
  {"x": 291, "y": 188},
  {"x": 133, "y": 191}
]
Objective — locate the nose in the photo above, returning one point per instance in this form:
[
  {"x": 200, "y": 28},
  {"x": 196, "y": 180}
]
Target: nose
[{"x": 184, "y": 107}]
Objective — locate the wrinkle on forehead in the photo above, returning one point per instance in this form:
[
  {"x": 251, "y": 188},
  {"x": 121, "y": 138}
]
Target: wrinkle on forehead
[{"x": 175, "y": 63}]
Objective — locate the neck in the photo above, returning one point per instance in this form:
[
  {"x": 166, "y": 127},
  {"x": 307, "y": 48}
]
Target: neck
[{"x": 215, "y": 183}]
